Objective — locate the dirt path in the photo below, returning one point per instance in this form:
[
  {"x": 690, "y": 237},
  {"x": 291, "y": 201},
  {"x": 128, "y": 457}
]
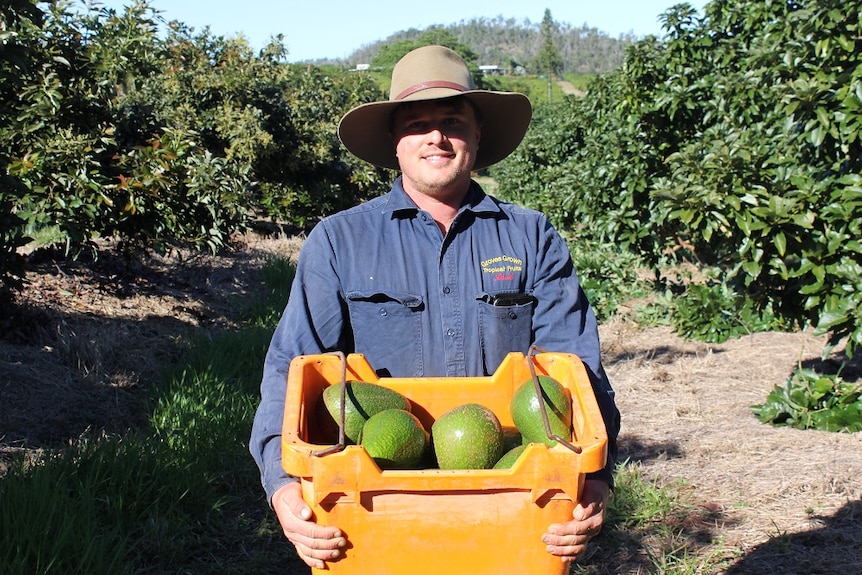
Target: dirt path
[{"x": 569, "y": 88}]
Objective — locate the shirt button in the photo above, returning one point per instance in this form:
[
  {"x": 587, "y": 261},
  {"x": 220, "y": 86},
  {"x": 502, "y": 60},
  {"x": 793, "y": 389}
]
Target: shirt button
[
  {"x": 450, "y": 332},
  {"x": 446, "y": 289},
  {"x": 513, "y": 315},
  {"x": 383, "y": 311}
]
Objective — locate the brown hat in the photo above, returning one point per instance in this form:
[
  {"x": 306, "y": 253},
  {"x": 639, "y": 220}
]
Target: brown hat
[{"x": 431, "y": 73}]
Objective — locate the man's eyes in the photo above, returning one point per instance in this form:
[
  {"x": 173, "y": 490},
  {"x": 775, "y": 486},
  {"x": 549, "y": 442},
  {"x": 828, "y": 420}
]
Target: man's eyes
[{"x": 418, "y": 125}]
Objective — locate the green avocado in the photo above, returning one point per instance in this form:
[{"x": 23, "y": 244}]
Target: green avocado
[
  {"x": 510, "y": 457},
  {"x": 527, "y": 415},
  {"x": 395, "y": 439},
  {"x": 467, "y": 437},
  {"x": 363, "y": 399}
]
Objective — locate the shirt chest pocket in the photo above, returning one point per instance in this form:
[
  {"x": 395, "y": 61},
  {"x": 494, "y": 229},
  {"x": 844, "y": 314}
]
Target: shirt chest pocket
[
  {"x": 387, "y": 328},
  {"x": 505, "y": 325}
]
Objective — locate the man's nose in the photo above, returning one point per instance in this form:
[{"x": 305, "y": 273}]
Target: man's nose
[{"x": 437, "y": 135}]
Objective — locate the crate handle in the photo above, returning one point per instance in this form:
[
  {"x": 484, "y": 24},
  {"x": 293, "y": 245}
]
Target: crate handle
[
  {"x": 342, "y": 440},
  {"x": 543, "y": 408}
]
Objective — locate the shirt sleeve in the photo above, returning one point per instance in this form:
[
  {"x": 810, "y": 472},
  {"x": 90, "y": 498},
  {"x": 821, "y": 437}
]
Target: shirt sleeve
[
  {"x": 308, "y": 325},
  {"x": 564, "y": 320}
]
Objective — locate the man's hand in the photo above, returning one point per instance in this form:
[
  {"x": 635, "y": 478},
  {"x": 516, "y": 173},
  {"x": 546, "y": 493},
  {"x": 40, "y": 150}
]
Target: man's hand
[
  {"x": 569, "y": 540},
  {"x": 314, "y": 543}
]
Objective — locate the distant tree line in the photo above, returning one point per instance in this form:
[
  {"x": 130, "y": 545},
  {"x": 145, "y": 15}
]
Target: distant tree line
[{"x": 507, "y": 42}]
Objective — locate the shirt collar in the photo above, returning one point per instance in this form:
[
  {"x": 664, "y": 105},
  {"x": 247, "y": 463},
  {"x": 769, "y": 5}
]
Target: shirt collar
[{"x": 477, "y": 200}]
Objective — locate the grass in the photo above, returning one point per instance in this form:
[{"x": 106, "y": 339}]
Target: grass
[
  {"x": 536, "y": 87},
  {"x": 652, "y": 528},
  {"x": 45, "y": 236},
  {"x": 182, "y": 494},
  {"x": 179, "y": 496}
]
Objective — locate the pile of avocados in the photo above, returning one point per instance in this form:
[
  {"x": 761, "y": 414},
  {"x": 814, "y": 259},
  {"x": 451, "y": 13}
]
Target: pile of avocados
[{"x": 468, "y": 436}]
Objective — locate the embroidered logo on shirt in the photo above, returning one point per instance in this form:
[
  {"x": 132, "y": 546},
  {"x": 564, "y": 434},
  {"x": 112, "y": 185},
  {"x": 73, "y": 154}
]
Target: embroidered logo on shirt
[{"x": 503, "y": 268}]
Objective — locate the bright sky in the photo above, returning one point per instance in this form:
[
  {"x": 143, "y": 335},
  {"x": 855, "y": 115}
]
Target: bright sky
[{"x": 333, "y": 29}]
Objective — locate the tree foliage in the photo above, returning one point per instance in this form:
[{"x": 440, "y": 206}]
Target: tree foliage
[
  {"x": 389, "y": 54},
  {"x": 111, "y": 129},
  {"x": 734, "y": 143},
  {"x": 548, "y": 60},
  {"x": 14, "y": 64}
]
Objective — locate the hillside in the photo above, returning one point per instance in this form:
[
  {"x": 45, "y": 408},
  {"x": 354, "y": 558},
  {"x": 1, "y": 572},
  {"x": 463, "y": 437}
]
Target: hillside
[{"x": 506, "y": 41}]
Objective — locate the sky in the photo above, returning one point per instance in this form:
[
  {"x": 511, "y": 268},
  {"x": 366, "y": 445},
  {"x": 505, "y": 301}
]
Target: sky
[{"x": 315, "y": 29}]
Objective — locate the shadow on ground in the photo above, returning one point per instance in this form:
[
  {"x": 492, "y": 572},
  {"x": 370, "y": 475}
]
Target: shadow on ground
[
  {"x": 83, "y": 346},
  {"x": 833, "y": 546}
]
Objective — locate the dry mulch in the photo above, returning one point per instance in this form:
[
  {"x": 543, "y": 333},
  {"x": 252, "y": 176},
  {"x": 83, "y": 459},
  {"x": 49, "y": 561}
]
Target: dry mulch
[
  {"x": 782, "y": 501},
  {"x": 88, "y": 337}
]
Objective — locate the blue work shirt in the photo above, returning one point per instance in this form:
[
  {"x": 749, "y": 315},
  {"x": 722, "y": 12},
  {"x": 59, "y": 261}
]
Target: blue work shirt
[{"x": 382, "y": 280}]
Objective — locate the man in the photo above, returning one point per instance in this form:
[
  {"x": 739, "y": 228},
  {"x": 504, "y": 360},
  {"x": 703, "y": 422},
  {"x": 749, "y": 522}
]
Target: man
[{"x": 433, "y": 279}]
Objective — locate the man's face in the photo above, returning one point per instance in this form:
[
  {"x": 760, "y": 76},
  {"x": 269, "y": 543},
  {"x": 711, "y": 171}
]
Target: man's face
[{"x": 436, "y": 143}]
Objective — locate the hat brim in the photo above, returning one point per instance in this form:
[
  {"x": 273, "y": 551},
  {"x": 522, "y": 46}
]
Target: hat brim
[{"x": 364, "y": 130}]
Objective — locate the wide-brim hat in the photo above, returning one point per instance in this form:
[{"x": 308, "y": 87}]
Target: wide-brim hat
[{"x": 431, "y": 73}]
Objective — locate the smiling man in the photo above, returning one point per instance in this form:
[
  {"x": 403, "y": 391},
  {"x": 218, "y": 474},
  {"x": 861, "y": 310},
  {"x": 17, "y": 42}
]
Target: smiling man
[
  {"x": 435, "y": 278},
  {"x": 436, "y": 143}
]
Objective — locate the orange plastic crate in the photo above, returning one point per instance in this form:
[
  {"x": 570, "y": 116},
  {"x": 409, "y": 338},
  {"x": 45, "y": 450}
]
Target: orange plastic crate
[{"x": 435, "y": 521}]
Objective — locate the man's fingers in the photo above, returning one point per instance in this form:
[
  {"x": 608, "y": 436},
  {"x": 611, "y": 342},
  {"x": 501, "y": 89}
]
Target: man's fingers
[
  {"x": 571, "y": 546},
  {"x": 322, "y": 537},
  {"x": 295, "y": 502},
  {"x": 315, "y": 552},
  {"x": 308, "y": 559},
  {"x": 315, "y": 544},
  {"x": 568, "y": 552}
]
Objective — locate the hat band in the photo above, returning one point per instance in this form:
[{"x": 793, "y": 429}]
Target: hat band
[{"x": 429, "y": 85}]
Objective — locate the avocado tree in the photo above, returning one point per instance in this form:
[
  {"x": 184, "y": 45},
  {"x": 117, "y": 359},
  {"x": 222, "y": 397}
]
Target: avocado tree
[
  {"x": 733, "y": 143},
  {"x": 74, "y": 134},
  {"x": 15, "y": 58},
  {"x": 773, "y": 187},
  {"x": 110, "y": 129}
]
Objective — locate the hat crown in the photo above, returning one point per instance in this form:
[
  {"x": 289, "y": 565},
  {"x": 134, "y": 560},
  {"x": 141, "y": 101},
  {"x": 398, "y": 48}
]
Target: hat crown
[{"x": 427, "y": 68}]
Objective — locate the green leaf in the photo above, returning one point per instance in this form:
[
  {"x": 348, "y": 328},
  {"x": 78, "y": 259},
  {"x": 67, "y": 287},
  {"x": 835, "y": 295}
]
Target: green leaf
[
  {"x": 832, "y": 318},
  {"x": 752, "y": 268},
  {"x": 780, "y": 242}
]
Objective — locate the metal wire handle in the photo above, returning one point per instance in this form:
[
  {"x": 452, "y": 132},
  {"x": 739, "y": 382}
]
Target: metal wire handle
[
  {"x": 531, "y": 353},
  {"x": 342, "y": 441}
]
